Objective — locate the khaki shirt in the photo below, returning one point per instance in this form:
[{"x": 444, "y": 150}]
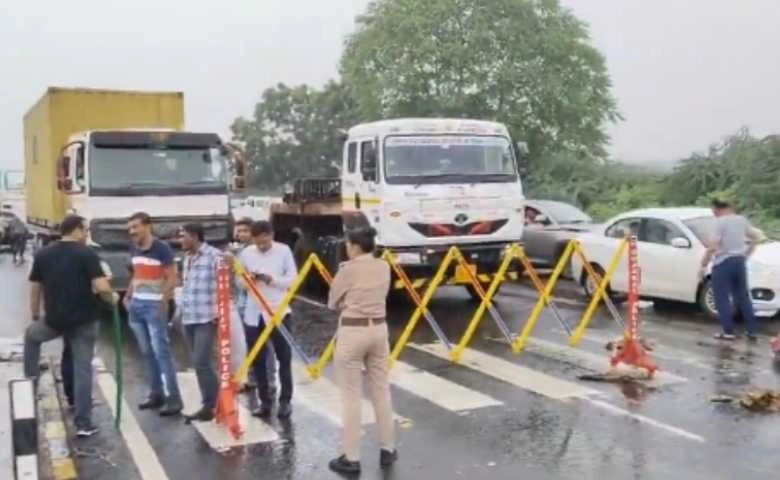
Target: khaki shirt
[{"x": 360, "y": 288}]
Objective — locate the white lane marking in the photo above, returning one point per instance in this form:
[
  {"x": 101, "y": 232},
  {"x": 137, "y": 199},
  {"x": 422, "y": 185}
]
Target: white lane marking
[
  {"x": 512, "y": 373},
  {"x": 530, "y": 293},
  {"x": 608, "y": 407},
  {"x": 217, "y": 436},
  {"x": 27, "y": 467},
  {"x": 141, "y": 450},
  {"x": 589, "y": 360},
  {"x": 308, "y": 300},
  {"x": 322, "y": 397},
  {"x": 440, "y": 391}
]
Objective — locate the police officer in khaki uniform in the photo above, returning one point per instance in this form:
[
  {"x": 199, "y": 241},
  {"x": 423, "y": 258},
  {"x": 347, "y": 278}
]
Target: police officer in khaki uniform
[{"x": 359, "y": 293}]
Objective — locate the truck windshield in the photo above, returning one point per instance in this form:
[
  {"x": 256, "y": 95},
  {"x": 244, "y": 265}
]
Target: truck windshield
[
  {"x": 13, "y": 181},
  {"x": 448, "y": 159},
  {"x": 161, "y": 171}
]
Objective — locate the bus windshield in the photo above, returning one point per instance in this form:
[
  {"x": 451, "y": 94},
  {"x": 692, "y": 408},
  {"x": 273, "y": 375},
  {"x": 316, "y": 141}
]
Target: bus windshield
[{"x": 422, "y": 159}]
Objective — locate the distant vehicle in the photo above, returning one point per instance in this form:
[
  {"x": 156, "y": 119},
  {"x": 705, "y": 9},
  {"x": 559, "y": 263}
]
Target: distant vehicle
[
  {"x": 425, "y": 184},
  {"x": 549, "y": 226},
  {"x": 12, "y": 193},
  {"x": 256, "y": 208},
  {"x": 670, "y": 251}
]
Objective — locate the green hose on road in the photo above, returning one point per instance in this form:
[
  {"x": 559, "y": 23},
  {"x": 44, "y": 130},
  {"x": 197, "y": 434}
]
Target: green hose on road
[{"x": 118, "y": 364}]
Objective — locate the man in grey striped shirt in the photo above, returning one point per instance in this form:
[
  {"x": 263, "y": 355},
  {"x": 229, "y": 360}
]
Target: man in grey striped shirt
[{"x": 733, "y": 241}]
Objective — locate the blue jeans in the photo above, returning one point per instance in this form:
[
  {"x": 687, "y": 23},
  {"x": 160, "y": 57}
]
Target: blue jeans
[
  {"x": 729, "y": 283},
  {"x": 150, "y": 328},
  {"x": 200, "y": 338},
  {"x": 81, "y": 341}
]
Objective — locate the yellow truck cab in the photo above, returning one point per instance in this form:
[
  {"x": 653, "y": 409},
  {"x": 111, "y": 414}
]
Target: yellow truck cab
[{"x": 106, "y": 154}]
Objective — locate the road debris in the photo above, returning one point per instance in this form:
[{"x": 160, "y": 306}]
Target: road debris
[{"x": 755, "y": 400}]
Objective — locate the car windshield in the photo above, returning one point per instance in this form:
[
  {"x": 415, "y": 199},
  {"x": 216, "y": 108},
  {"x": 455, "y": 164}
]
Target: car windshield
[
  {"x": 175, "y": 170},
  {"x": 565, "y": 213},
  {"x": 448, "y": 159}
]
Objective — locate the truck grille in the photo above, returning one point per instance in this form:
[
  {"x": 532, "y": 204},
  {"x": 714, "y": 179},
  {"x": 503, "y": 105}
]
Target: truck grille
[
  {"x": 452, "y": 230},
  {"x": 113, "y": 232}
]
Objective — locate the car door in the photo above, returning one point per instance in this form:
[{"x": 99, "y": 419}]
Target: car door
[
  {"x": 604, "y": 251},
  {"x": 668, "y": 272},
  {"x": 537, "y": 242}
]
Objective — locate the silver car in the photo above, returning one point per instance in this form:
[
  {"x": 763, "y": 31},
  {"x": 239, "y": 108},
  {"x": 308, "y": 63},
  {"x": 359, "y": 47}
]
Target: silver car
[{"x": 549, "y": 225}]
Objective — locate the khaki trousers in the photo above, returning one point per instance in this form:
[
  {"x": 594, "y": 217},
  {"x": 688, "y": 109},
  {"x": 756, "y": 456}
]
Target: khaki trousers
[{"x": 356, "y": 347}]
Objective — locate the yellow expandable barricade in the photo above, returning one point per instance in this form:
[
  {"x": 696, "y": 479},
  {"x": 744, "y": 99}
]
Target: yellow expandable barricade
[{"x": 464, "y": 274}]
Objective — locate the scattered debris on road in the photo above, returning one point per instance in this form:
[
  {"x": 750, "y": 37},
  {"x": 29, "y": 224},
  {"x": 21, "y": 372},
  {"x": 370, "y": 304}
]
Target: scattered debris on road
[{"x": 755, "y": 400}]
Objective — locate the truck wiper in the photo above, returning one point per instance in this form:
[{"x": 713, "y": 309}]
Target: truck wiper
[{"x": 142, "y": 184}]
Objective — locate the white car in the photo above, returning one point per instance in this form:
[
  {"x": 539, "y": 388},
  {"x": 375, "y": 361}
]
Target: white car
[{"x": 670, "y": 252}]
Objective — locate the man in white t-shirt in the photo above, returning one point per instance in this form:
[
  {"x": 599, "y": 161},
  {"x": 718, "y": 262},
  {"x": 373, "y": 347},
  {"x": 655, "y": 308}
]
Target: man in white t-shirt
[{"x": 273, "y": 268}]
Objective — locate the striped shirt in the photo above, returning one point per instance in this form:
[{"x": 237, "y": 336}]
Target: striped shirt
[
  {"x": 148, "y": 268},
  {"x": 199, "y": 289}
]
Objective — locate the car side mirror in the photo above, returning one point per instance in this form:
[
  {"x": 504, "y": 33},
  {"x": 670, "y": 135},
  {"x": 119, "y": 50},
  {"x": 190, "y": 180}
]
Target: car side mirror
[
  {"x": 542, "y": 219},
  {"x": 680, "y": 242}
]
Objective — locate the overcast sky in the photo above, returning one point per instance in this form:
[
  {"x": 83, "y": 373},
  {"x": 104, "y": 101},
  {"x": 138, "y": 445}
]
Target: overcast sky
[{"x": 685, "y": 72}]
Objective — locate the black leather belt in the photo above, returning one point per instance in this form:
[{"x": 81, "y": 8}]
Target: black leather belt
[{"x": 361, "y": 322}]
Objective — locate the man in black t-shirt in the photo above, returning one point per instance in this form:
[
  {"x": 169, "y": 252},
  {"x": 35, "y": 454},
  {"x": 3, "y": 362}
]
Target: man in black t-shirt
[{"x": 65, "y": 275}]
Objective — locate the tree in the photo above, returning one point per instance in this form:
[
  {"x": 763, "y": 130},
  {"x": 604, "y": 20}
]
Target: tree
[
  {"x": 526, "y": 63},
  {"x": 295, "y": 133}
]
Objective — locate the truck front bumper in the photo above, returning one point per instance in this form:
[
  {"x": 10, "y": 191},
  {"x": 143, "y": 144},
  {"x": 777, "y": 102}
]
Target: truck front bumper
[{"x": 422, "y": 263}]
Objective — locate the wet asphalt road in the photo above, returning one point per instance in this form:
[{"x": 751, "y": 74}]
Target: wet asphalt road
[{"x": 532, "y": 419}]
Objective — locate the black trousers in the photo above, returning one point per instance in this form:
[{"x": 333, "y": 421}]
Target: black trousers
[{"x": 283, "y": 355}]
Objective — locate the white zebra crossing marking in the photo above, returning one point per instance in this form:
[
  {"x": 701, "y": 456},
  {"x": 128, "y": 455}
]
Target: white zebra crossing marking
[
  {"x": 322, "y": 397},
  {"x": 217, "y": 436},
  {"x": 525, "y": 378},
  {"x": 437, "y": 390},
  {"x": 587, "y": 360},
  {"x": 141, "y": 450}
]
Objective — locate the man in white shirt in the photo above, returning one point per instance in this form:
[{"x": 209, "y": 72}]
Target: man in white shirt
[{"x": 273, "y": 267}]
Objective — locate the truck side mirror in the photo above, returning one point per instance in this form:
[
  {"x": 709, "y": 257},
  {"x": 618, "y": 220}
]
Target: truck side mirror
[{"x": 64, "y": 180}]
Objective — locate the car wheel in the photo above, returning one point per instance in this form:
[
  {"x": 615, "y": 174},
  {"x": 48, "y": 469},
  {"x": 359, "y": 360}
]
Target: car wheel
[
  {"x": 706, "y": 300},
  {"x": 590, "y": 287}
]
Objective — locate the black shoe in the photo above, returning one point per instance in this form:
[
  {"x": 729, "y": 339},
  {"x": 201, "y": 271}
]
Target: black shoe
[
  {"x": 342, "y": 465},
  {"x": 264, "y": 410},
  {"x": 171, "y": 408},
  {"x": 152, "y": 403},
  {"x": 285, "y": 410},
  {"x": 202, "y": 415},
  {"x": 86, "y": 431},
  {"x": 387, "y": 457},
  {"x": 752, "y": 338}
]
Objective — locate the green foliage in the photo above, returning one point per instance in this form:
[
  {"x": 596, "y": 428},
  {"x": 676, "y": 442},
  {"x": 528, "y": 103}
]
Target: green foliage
[
  {"x": 295, "y": 133},
  {"x": 526, "y": 63}
]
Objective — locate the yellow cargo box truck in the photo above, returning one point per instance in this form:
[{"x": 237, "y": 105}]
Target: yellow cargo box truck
[{"x": 106, "y": 154}]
